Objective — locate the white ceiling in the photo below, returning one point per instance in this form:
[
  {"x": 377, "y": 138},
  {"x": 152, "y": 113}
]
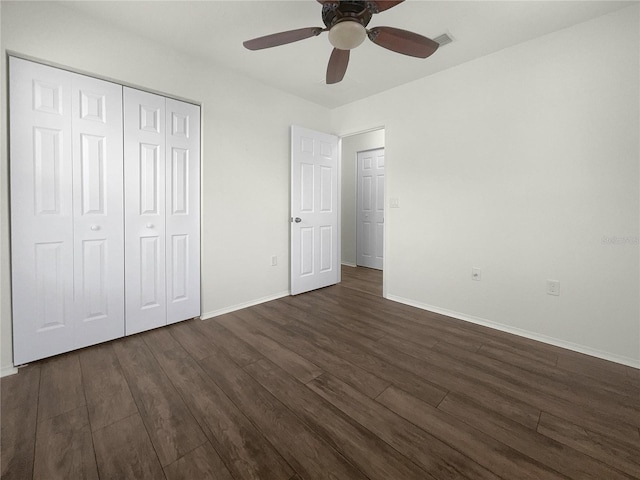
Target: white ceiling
[{"x": 214, "y": 31}]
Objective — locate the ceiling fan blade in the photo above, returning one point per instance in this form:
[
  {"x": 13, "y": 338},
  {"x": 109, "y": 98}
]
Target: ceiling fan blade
[
  {"x": 382, "y": 5},
  {"x": 337, "y": 65},
  {"x": 403, "y": 41},
  {"x": 282, "y": 38}
]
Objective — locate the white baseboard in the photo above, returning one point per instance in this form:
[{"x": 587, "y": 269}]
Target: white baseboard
[
  {"x": 347, "y": 264},
  {"x": 631, "y": 362},
  {"x": 6, "y": 371},
  {"x": 240, "y": 306}
]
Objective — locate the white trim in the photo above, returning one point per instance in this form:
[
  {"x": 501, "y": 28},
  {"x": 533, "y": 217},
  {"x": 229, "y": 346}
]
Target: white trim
[
  {"x": 360, "y": 132},
  {"x": 631, "y": 362},
  {"x": 248, "y": 304},
  {"x": 339, "y": 208},
  {"x": 6, "y": 371},
  {"x": 348, "y": 264}
]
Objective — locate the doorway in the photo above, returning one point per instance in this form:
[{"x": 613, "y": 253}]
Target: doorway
[{"x": 350, "y": 146}]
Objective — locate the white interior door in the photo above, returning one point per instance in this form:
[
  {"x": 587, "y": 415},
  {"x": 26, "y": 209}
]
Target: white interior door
[
  {"x": 314, "y": 210},
  {"x": 66, "y": 210},
  {"x": 370, "y": 209},
  {"x": 98, "y": 216},
  {"x": 41, "y": 210},
  {"x": 144, "y": 180},
  {"x": 183, "y": 210}
]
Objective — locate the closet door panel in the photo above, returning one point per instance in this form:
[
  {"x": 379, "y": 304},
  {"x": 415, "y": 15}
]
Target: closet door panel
[
  {"x": 98, "y": 210},
  {"x": 41, "y": 210},
  {"x": 144, "y": 180},
  {"x": 183, "y": 210}
]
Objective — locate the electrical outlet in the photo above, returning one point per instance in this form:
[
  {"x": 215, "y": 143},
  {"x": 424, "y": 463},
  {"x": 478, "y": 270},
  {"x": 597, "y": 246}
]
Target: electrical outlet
[
  {"x": 394, "y": 202},
  {"x": 274, "y": 260},
  {"x": 476, "y": 274},
  {"x": 553, "y": 287}
]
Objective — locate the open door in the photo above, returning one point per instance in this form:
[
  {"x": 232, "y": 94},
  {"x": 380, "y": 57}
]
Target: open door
[{"x": 315, "y": 261}]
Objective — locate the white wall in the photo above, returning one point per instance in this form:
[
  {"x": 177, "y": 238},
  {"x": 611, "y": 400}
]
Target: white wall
[
  {"x": 245, "y": 147},
  {"x": 351, "y": 145},
  {"x": 521, "y": 163}
]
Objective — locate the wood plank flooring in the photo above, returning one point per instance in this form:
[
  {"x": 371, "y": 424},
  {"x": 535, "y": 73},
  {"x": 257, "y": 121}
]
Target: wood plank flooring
[{"x": 338, "y": 383}]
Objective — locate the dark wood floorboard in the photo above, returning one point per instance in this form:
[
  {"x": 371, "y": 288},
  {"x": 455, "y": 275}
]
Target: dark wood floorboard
[
  {"x": 591, "y": 443},
  {"x": 64, "y": 447},
  {"x": 373, "y": 456},
  {"x": 336, "y": 383},
  {"x": 245, "y": 452},
  {"x": 368, "y": 280},
  {"x": 436, "y": 457},
  {"x": 106, "y": 390},
  {"x": 171, "y": 427},
  {"x": 366, "y": 382},
  {"x": 61, "y": 388},
  {"x": 124, "y": 451},
  {"x": 203, "y": 463},
  {"x": 480, "y": 447},
  {"x": 547, "y": 451},
  {"x": 290, "y": 361},
  {"x": 239, "y": 351},
  {"x": 303, "y": 449},
  {"x": 18, "y": 419}
]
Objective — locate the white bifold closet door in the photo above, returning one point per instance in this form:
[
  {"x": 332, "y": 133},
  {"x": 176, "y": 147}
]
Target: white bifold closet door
[
  {"x": 66, "y": 210},
  {"x": 162, "y": 210},
  {"x": 183, "y": 211}
]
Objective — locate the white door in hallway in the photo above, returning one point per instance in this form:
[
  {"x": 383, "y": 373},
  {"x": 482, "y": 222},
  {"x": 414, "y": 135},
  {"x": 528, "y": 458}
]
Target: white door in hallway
[
  {"x": 315, "y": 259},
  {"x": 370, "y": 209}
]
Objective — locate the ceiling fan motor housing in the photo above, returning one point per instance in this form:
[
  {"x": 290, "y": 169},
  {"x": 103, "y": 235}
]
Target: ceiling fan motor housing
[{"x": 347, "y": 10}]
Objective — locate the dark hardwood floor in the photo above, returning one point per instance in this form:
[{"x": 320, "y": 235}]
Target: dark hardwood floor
[
  {"x": 363, "y": 279},
  {"x": 338, "y": 383}
]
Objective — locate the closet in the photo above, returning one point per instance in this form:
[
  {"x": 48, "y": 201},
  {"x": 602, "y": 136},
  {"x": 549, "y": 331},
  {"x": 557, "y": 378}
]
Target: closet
[{"x": 105, "y": 210}]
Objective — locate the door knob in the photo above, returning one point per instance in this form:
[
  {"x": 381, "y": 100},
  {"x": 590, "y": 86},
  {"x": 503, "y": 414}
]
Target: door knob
[
  {"x": 297, "y": 220},
  {"x": 95, "y": 227},
  {"x": 149, "y": 225}
]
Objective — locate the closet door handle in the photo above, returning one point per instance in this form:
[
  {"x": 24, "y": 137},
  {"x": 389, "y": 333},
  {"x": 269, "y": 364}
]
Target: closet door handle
[
  {"x": 149, "y": 225},
  {"x": 95, "y": 227}
]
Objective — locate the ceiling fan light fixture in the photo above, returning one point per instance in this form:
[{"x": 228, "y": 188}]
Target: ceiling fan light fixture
[{"x": 347, "y": 34}]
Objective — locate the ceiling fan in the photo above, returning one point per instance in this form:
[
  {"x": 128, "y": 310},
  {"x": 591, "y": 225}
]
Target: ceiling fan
[{"x": 346, "y": 22}]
